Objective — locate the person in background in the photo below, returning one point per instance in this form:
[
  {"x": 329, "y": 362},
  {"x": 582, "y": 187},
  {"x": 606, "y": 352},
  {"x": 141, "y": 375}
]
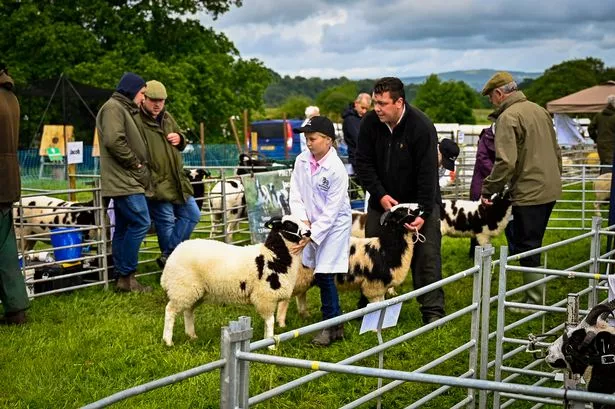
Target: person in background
[
  {"x": 319, "y": 196},
  {"x": 172, "y": 206},
  {"x": 397, "y": 162},
  {"x": 602, "y": 131},
  {"x": 528, "y": 160},
  {"x": 310, "y": 112},
  {"x": 351, "y": 123},
  {"x": 125, "y": 176},
  {"x": 13, "y": 292},
  {"x": 448, "y": 151}
]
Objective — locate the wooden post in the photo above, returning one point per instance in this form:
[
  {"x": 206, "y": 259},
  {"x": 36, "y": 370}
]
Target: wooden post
[
  {"x": 234, "y": 129},
  {"x": 202, "y": 135},
  {"x": 71, "y": 169},
  {"x": 246, "y": 127}
]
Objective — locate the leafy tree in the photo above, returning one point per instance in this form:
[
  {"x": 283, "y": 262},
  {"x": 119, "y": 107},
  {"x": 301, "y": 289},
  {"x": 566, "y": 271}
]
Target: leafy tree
[
  {"x": 333, "y": 101},
  {"x": 95, "y": 41},
  {"x": 566, "y": 78},
  {"x": 448, "y": 101},
  {"x": 294, "y": 106}
]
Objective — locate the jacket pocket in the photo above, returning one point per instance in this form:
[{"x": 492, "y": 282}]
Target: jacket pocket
[{"x": 143, "y": 176}]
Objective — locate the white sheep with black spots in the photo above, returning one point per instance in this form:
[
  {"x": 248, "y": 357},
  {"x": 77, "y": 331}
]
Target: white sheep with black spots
[
  {"x": 470, "y": 218},
  {"x": 215, "y": 272},
  {"x": 228, "y": 195},
  {"x": 40, "y": 214},
  {"x": 375, "y": 265}
]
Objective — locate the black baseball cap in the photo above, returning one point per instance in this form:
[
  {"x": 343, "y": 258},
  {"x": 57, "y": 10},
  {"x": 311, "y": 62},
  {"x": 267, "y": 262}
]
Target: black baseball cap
[
  {"x": 449, "y": 151},
  {"x": 320, "y": 124}
]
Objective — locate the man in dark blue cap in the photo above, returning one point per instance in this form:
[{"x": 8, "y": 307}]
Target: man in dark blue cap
[{"x": 125, "y": 176}]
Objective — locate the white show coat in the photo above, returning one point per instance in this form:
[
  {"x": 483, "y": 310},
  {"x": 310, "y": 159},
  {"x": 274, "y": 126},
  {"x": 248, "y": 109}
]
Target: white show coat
[{"x": 323, "y": 199}]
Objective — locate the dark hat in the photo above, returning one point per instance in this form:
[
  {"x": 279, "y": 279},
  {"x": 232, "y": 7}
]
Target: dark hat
[
  {"x": 496, "y": 81},
  {"x": 449, "y": 151},
  {"x": 320, "y": 124},
  {"x": 130, "y": 84}
]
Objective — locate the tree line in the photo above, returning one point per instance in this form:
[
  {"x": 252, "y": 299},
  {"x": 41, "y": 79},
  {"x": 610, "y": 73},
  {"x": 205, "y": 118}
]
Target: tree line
[{"x": 93, "y": 42}]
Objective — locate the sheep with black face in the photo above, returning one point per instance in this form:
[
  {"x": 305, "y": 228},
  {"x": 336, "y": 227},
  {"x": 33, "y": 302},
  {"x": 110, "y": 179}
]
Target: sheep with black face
[
  {"x": 375, "y": 265},
  {"x": 589, "y": 345},
  {"x": 215, "y": 272}
]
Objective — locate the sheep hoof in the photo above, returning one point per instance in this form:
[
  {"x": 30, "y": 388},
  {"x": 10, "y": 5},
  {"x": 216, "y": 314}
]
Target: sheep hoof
[
  {"x": 281, "y": 324},
  {"x": 168, "y": 343},
  {"x": 192, "y": 336},
  {"x": 304, "y": 314},
  {"x": 272, "y": 347}
]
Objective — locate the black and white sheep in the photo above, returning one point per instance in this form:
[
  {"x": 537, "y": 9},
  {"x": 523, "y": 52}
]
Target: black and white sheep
[
  {"x": 375, "y": 264},
  {"x": 590, "y": 344},
  {"x": 470, "y": 218},
  {"x": 40, "y": 214},
  {"x": 216, "y": 272},
  {"x": 197, "y": 180},
  {"x": 359, "y": 219}
]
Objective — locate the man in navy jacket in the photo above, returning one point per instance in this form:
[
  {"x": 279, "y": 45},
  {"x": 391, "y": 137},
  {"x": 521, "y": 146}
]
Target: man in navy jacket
[{"x": 397, "y": 162}]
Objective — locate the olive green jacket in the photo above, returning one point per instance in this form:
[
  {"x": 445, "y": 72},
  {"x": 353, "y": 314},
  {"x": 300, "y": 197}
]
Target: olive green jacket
[
  {"x": 166, "y": 163},
  {"x": 602, "y": 131},
  {"x": 122, "y": 149},
  {"x": 527, "y": 155},
  {"x": 9, "y": 140}
]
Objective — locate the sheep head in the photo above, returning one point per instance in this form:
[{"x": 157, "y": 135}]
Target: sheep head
[
  {"x": 290, "y": 227},
  {"x": 401, "y": 214},
  {"x": 571, "y": 349}
]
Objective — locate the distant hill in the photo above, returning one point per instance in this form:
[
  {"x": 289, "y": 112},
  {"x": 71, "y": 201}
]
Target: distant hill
[{"x": 474, "y": 78}]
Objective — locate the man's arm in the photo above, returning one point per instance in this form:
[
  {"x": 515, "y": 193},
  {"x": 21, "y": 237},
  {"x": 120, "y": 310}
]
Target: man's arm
[
  {"x": 365, "y": 159},
  {"x": 112, "y": 131},
  {"x": 505, "y": 156}
]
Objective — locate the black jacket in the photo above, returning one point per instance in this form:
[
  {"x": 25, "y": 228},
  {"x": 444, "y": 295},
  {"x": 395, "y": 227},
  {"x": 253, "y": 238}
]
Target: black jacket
[
  {"x": 403, "y": 164},
  {"x": 350, "y": 127}
]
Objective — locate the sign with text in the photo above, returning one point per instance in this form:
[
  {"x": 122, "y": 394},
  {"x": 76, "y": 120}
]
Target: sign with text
[
  {"x": 75, "y": 152},
  {"x": 267, "y": 195}
]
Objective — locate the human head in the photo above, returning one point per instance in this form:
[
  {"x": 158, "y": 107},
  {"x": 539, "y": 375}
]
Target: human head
[
  {"x": 362, "y": 103},
  {"x": 447, "y": 153},
  {"x": 611, "y": 100},
  {"x": 132, "y": 86},
  {"x": 499, "y": 86},
  {"x": 389, "y": 98},
  {"x": 319, "y": 135},
  {"x": 155, "y": 96},
  {"x": 311, "y": 111}
]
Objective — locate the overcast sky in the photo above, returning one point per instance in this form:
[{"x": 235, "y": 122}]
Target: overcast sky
[{"x": 369, "y": 39}]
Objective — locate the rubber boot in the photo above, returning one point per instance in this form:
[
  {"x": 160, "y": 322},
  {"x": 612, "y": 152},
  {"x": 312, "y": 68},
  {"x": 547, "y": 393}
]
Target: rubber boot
[
  {"x": 137, "y": 287},
  {"x": 14, "y": 318},
  {"x": 533, "y": 295},
  {"x": 123, "y": 284},
  {"x": 325, "y": 337}
]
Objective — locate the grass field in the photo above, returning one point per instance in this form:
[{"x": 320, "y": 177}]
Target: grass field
[{"x": 85, "y": 345}]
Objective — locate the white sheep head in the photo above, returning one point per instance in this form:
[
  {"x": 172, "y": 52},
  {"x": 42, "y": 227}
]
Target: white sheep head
[
  {"x": 567, "y": 350},
  {"x": 291, "y": 227}
]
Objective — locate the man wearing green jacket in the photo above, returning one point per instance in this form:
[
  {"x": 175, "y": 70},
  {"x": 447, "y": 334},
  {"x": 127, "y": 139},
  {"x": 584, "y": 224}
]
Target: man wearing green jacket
[
  {"x": 602, "y": 131},
  {"x": 12, "y": 287},
  {"x": 528, "y": 160},
  {"x": 125, "y": 176},
  {"x": 172, "y": 206}
]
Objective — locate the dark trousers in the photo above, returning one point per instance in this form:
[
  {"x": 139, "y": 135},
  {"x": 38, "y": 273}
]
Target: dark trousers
[
  {"x": 12, "y": 286},
  {"x": 329, "y": 300},
  {"x": 426, "y": 264},
  {"x": 528, "y": 226}
]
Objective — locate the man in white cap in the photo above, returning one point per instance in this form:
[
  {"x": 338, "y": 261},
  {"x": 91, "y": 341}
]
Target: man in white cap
[{"x": 172, "y": 206}]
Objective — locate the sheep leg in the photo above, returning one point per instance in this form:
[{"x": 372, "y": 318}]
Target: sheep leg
[
  {"x": 482, "y": 240},
  {"x": 391, "y": 292},
  {"x": 282, "y": 309},
  {"x": 169, "y": 322},
  {"x": 189, "y": 323},
  {"x": 597, "y": 207},
  {"x": 269, "y": 323},
  {"x": 302, "y": 305}
]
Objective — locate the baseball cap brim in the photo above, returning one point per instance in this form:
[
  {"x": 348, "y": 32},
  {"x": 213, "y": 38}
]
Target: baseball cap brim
[{"x": 447, "y": 163}]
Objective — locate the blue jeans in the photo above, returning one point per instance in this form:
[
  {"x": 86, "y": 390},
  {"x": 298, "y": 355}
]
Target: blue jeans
[
  {"x": 132, "y": 222},
  {"x": 174, "y": 222},
  {"x": 329, "y": 300}
]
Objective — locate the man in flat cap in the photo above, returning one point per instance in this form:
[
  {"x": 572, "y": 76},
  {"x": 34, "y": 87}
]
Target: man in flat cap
[
  {"x": 172, "y": 206},
  {"x": 528, "y": 160}
]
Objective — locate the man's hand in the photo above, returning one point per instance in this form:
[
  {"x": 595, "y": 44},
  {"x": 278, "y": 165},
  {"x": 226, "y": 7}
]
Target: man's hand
[
  {"x": 485, "y": 201},
  {"x": 174, "y": 138},
  {"x": 298, "y": 248},
  {"x": 415, "y": 225},
  {"x": 387, "y": 202}
]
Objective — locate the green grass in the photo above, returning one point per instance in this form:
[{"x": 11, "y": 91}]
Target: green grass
[{"x": 86, "y": 345}]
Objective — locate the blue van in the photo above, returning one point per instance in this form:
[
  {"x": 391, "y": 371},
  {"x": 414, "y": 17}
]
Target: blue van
[{"x": 271, "y": 141}]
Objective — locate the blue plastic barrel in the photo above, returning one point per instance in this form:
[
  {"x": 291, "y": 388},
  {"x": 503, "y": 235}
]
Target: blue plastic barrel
[{"x": 66, "y": 236}]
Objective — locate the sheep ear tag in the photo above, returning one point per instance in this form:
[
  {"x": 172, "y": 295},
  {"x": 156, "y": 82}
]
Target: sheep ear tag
[{"x": 277, "y": 220}]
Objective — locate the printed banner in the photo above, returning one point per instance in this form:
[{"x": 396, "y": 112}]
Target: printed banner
[{"x": 267, "y": 195}]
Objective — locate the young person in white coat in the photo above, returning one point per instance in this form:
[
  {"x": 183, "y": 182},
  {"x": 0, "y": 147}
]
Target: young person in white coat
[{"x": 319, "y": 196}]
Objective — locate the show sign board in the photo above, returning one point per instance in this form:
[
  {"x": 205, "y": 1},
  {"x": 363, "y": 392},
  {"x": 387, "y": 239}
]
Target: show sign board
[{"x": 267, "y": 195}]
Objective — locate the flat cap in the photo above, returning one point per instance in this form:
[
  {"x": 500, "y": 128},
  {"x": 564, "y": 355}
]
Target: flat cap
[
  {"x": 497, "y": 80},
  {"x": 155, "y": 90}
]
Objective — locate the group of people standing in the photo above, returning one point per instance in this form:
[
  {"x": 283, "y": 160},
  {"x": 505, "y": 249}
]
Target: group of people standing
[
  {"x": 142, "y": 172},
  {"x": 394, "y": 152}
]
